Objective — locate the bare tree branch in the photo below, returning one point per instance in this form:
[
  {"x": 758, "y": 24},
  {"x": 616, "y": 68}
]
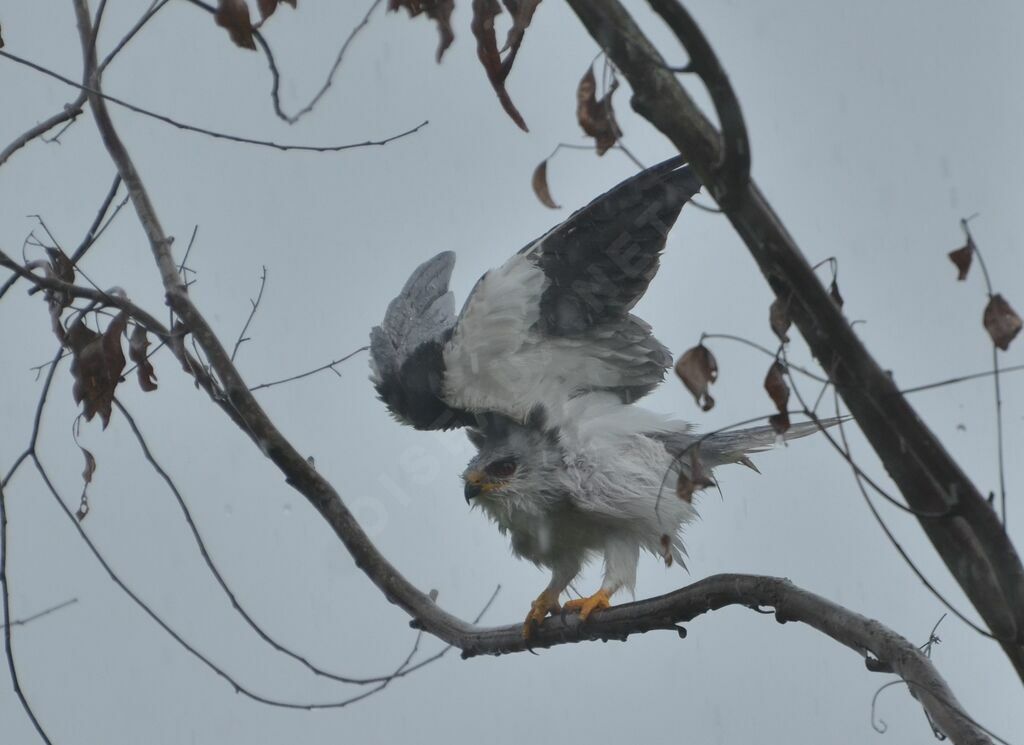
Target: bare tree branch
[
  {"x": 68, "y": 113},
  {"x": 42, "y": 613},
  {"x": 329, "y": 366},
  {"x": 93, "y": 94}
]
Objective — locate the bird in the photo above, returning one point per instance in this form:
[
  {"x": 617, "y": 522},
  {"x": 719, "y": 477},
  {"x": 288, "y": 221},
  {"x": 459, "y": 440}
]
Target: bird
[{"x": 543, "y": 367}]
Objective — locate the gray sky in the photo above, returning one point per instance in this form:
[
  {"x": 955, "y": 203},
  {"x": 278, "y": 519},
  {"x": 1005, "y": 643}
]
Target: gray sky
[{"x": 875, "y": 126}]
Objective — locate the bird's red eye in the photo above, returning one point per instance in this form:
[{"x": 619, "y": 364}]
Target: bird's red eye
[{"x": 501, "y": 469}]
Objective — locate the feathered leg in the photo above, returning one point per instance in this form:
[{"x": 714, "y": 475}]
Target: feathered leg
[
  {"x": 547, "y": 601},
  {"x": 620, "y": 559}
]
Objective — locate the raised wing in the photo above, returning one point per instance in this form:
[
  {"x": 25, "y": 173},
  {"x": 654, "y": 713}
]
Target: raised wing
[
  {"x": 553, "y": 322},
  {"x": 406, "y": 349}
]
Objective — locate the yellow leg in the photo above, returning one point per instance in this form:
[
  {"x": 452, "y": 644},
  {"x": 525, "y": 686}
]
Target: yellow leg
[
  {"x": 599, "y": 600},
  {"x": 546, "y": 602}
]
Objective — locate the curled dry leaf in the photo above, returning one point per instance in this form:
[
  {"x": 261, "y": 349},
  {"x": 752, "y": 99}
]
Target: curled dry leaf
[
  {"x": 1, "y": 39},
  {"x": 597, "y": 117},
  {"x": 439, "y": 11},
  {"x": 522, "y": 15},
  {"x": 961, "y": 258},
  {"x": 137, "y": 345},
  {"x": 90, "y": 465},
  {"x": 1001, "y": 321},
  {"x": 694, "y": 478},
  {"x": 666, "y": 549},
  {"x": 233, "y": 15},
  {"x": 267, "y": 7},
  {"x": 778, "y": 317},
  {"x": 484, "y": 13},
  {"x": 698, "y": 369},
  {"x": 833, "y": 292},
  {"x": 778, "y": 392},
  {"x": 58, "y": 267},
  {"x": 540, "y": 186},
  {"x": 96, "y": 365}
]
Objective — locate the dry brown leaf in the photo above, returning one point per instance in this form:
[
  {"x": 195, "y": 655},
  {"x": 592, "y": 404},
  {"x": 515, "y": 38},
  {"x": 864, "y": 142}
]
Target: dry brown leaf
[
  {"x": 137, "y": 345},
  {"x": 833, "y": 292},
  {"x": 961, "y": 257},
  {"x": 698, "y": 478},
  {"x": 540, "y": 186},
  {"x": 484, "y": 13},
  {"x": 778, "y": 392},
  {"x": 61, "y": 265},
  {"x": 233, "y": 15},
  {"x": 1001, "y": 321},
  {"x": 90, "y": 465},
  {"x": 597, "y": 117},
  {"x": 96, "y": 365},
  {"x": 87, "y": 474},
  {"x": 778, "y": 318},
  {"x": 666, "y": 549},
  {"x": 1, "y": 39},
  {"x": 522, "y": 15},
  {"x": 698, "y": 369},
  {"x": 439, "y": 11}
]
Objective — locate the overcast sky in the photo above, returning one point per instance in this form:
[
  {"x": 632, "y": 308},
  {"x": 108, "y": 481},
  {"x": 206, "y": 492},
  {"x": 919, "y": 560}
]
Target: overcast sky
[{"x": 875, "y": 127}]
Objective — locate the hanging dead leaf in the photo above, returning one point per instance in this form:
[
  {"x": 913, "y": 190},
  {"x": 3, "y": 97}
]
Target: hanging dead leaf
[
  {"x": 137, "y": 345},
  {"x": 1, "y": 39},
  {"x": 96, "y": 365},
  {"x": 61, "y": 265},
  {"x": 439, "y": 11},
  {"x": 90, "y": 465},
  {"x": 540, "y": 186},
  {"x": 267, "y": 7},
  {"x": 233, "y": 15},
  {"x": 695, "y": 478},
  {"x": 961, "y": 257},
  {"x": 778, "y": 318},
  {"x": 597, "y": 117},
  {"x": 666, "y": 549},
  {"x": 1001, "y": 321},
  {"x": 522, "y": 15},
  {"x": 484, "y": 13},
  {"x": 778, "y": 392},
  {"x": 833, "y": 292},
  {"x": 698, "y": 369}
]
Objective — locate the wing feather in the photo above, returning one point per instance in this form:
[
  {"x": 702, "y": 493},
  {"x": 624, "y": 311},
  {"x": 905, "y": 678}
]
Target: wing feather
[
  {"x": 406, "y": 362},
  {"x": 553, "y": 322}
]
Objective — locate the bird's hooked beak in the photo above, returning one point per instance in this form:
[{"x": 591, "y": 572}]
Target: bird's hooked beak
[{"x": 474, "y": 485}]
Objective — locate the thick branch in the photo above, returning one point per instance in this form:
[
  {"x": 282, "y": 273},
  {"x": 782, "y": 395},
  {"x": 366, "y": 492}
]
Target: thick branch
[
  {"x": 883, "y": 648},
  {"x": 970, "y": 538}
]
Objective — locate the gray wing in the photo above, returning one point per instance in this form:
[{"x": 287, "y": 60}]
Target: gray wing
[
  {"x": 405, "y": 350},
  {"x": 553, "y": 322},
  {"x": 600, "y": 261}
]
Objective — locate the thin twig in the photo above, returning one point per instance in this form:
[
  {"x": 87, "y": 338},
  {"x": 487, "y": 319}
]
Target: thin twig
[
  {"x": 255, "y": 306},
  {"x": 40, "y": 614},
  {"x": 995, "y": 370},
  {"x": 211, "y": 565},
  {"x": 5, "y": 590},
  {"x": 275, "y": 74},
  {"x": 209, "y": 132},
  {"x": 329, "y": 366}
]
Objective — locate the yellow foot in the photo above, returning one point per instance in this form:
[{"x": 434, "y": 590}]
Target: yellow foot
[
  {"x": 586, "y": 606},
  {"x": 546, "y": 602}
]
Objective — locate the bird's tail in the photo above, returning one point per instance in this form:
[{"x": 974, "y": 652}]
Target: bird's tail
[{"x": 734, "y": 446}]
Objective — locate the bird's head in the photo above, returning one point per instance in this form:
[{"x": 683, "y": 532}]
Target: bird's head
[{"x": 511, "y": 460}]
